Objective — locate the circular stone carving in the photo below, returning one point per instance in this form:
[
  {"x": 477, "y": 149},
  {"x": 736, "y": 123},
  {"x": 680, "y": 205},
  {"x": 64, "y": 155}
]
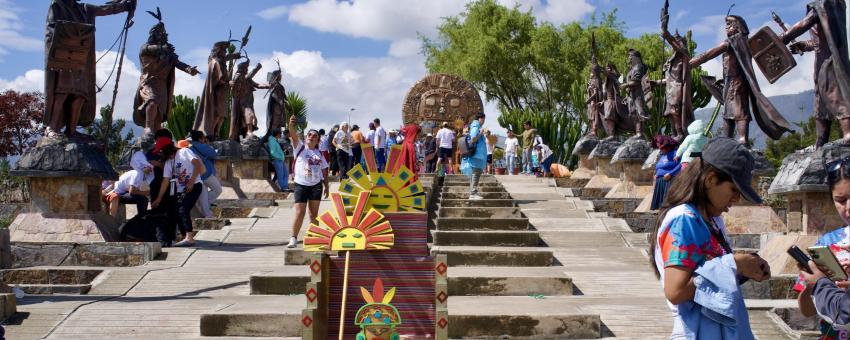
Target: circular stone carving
[{"x": 439, "y": 98}]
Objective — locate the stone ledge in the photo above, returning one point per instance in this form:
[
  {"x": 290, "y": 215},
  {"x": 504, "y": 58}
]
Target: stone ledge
[{"x": 92, "y": 254}]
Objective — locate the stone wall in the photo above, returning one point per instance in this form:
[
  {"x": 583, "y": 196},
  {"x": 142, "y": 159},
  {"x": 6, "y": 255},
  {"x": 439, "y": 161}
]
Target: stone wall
[
  {"x": 812, "y": 213},
  {"x": 94, "y": 254}
]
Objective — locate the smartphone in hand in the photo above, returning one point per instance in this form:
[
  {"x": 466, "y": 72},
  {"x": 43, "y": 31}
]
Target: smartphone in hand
[
  {"x": 801, "y": 258},
  {"x": 825, "y": 259}
]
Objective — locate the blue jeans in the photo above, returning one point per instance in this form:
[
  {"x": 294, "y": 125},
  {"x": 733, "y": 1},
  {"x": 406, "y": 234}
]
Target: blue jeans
[
  {"x": 282, "y": 174},
  {"x": 381, "y": 158},
  {"x": 546, "y": 164},
  {"x": 511, "y": 159}
]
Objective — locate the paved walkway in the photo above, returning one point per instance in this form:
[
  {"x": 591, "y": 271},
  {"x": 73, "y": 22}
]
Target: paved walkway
[
  {"x": 607, "y": 262},
  {"x": 164, "y": 299}
]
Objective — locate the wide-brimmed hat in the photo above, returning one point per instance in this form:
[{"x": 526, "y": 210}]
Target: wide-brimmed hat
[{"x": 734, "y": 160}]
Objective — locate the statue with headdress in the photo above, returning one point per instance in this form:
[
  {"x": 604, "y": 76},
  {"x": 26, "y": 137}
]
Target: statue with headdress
[
  {"x": 739, "y": 90},
  {"x": 593, "y": 88},
  {"x": 69, "y": 75},
  {"x": 213, "y": 106},
  {"x": 276, "y": 107},
  {"x": 826, "y": 20},
  {"x": 243, "y": 119},
  {"x": 677, "y": 80},
  {"x": 154, "y": 96},
  {"x": 615, "y": 114},
  {"x": 639, "y": 91}
]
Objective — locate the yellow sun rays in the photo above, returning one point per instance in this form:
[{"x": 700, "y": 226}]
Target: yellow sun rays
[
  {"x": 338, "y": 231},
  {"x": 392, "y": 190}
]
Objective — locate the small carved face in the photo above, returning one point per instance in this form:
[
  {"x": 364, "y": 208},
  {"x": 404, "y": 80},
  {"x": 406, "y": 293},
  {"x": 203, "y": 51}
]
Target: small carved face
[
  {"x": 378, "y": 332},
  {"x": 349, "y": 239}
]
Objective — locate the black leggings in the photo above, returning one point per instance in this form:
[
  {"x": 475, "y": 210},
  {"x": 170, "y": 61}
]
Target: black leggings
[
  {"x": 344, "y": 161},
  {"x": 185, "y": 203}
]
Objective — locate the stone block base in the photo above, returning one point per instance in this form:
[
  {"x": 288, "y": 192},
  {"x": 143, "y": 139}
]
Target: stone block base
[
  {"x": 64, "y": 227},
  {"x": 94, "y": 254},
  {"x": 774, "y": 251},
  {"x": 753, "y": 219},
  {"x": 599, "y": 186}
]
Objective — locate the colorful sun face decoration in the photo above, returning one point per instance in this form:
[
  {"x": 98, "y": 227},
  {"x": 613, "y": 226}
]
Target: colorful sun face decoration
[
  {"x": 339, "y": 231},
  {"x": 378, "y": 318},
  {"x": 392, "y": 190}
]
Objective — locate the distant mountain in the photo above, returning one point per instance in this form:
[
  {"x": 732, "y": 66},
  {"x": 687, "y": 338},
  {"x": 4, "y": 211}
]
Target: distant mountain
[{"x": 794, "y": 107}]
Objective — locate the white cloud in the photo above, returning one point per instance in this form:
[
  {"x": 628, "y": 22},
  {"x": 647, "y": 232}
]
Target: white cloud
[
  {"x": 405, "y": 47},
  {"x": 554, "y": 11},
  {"x": 273, "y": 12},
  {"x": 11, "y": 26}
]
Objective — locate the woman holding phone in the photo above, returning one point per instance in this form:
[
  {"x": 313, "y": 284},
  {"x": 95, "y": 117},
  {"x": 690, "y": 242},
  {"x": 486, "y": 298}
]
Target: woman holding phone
[
  {"x": 691, "y": 249},
  {"x": 838, "y": 240}
]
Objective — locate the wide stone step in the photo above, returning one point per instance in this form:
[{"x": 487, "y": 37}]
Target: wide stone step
[
  {"x": 465, "y": 188},
  {"x": 465, "y": 195},
  {"x": 520, "y": 317},
  {"x": 256, "y": 316},
  {"x": 492, "y": 238},
  {"x": 496, "y": 281},
  {"x": 455, "y": 203},
  {"x": 465, "y": 184},
  {"x": 481, "y": 223},
  {"x": 496, "y": 256},
  {"x": 509, "y": 281},
  {"x": 283, "y": 281},
  {"x": 478, "y": 212}
]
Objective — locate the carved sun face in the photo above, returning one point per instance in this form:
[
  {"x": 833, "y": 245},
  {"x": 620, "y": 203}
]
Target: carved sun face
[{"x": 348, "y": 239}]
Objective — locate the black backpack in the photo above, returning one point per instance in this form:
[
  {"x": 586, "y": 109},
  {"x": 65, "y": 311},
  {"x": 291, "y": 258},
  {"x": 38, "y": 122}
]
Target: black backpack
[
  {"x": 466, "y": 147},
  {"x": 141, "y": 228}
]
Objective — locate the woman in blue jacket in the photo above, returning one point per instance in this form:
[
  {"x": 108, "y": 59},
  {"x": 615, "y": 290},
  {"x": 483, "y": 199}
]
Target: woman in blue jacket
[{"x": 666, "y": 168}]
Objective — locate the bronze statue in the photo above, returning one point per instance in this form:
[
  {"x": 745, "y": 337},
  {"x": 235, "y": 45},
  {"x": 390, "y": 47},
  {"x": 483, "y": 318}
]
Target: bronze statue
[
  {"x": 826, "y": 19},
  {"x": 69, "y": 84},
  {"x": 593, "y": 87},
  {"x": 740, "y": 88},
  {"x": 276, "y": 108},
  {"x": 614, "y": 113},
  {"x": 213, "y": 106},
  {"x": 638, "y": 89},
  {"x": 156, "y": 86},
  {"x": 243, "y": 120},
  {"x": 677, "y": 78}
]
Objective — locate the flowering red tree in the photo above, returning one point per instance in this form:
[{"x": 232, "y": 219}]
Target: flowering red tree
[{"x": 20, "y": 121}]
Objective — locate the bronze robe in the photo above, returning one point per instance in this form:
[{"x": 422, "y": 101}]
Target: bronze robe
[
  {"x": 214, "y": 98},
  {"x": 79, "y": 83},
  {"x": 156, "y": 85},
  {"x": 276, "y": 108}
]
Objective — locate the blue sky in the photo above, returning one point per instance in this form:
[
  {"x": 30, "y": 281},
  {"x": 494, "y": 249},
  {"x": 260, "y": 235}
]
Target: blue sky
[{"x": 359, "y": 54}]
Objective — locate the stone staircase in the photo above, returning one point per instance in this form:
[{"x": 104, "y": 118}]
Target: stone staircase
[{"x": 503, "y": 280}]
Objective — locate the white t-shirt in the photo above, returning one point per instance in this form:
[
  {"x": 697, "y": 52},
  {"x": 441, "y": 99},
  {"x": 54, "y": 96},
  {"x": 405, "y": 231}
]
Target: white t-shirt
[
  {"x": 490, "y": 147},
  {"x": 380, "y": 138},
  {"x": 127, "y": 179},
  {"x": 309, "y": 165},
  {"x": 511, "y": 145},
  {"x": 546, "y": 151},
  {"x": 183, "y": 167},
  {"x": 370, "y": 136},
  {"x": 343, "y": 141},
  {"x": 446, "y": 137},
  {"x": 139, "y": 162},
  {"x": 323, "y": 143}
]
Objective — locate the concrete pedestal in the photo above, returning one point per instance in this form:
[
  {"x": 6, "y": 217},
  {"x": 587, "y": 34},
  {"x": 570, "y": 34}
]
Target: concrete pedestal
[
  {"x": 607, "y": 175},
  {"x": 64, "y": 181},
  {"x": 634, "y": 181},
  {"x": 586, "y": 168}
]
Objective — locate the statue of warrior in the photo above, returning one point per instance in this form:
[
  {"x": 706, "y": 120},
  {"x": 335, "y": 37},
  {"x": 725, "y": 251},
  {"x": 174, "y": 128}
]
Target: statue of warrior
[
  {"x": 156, "y": 86},
  {"x": 594, "y": 92},
  {"x": 827, "y": 20},
  {"x": 243, "y": 120},
  {"x": 677, "y": 78},
  {"x": 740, "y": 88},
  {"x": 213, "y": 106},
  {"x": 69, "y": 84},
  {"x": 637, "y": 86},
  {"x": 276, "y": 109},
  {"x": 614, "y": 113}
]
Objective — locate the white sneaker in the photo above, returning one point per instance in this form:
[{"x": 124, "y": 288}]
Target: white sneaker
[
  {"x": 475, "y": 197},
  {"x": 293, "y": 242}
]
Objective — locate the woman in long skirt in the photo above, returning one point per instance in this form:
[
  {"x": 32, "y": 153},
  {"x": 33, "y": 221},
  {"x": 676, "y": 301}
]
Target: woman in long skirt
[{"x": 666, "y": 168}]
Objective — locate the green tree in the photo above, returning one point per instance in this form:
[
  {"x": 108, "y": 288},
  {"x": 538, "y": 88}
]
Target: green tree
[
  {"x": 805, "y": 136},
  {"x": 536, "y": 71},
  {"x": 111, "y": 131},
  {"x": 183, "y": 110},
  {"x": 296, "y": 105}
]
